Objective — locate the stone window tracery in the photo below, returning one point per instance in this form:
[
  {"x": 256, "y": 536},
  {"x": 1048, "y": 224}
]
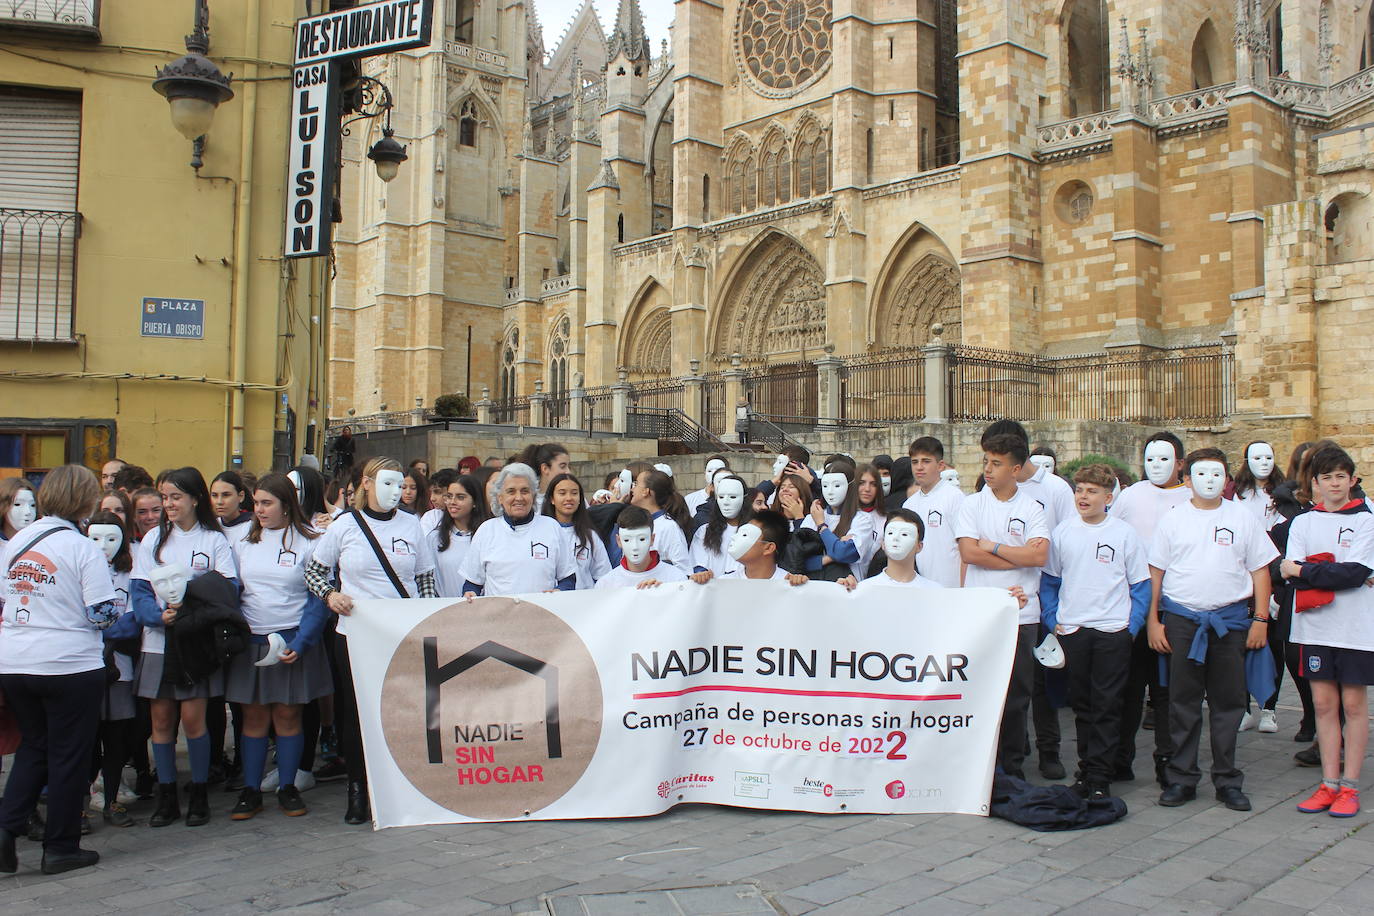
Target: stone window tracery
[
  {"x": 927, "y": 295},
  {"x": 467, "y": 123},
  {"x": 783, "y": 46}
]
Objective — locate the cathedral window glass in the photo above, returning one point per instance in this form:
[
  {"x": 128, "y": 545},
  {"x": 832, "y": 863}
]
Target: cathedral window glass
[
  {"x": 465, "y": 13},
  {"x": 783, "y": 46},
  {"x": 467, "y": 124}
]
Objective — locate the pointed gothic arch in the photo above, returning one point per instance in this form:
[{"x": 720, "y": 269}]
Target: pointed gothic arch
[
  {"x": 774, "y": 302},
  {"x": 811, "y": 158},
  {"x": 918, "y": 287},
  {"x": 1213, "y": 62},
  {"x": 475, "y": 152},
  {"x": 738, "y": 159},
  {"x": 1084, "y": 35},
  {"x": 646, "y": 342},
  {"x": 775, "y": 167}
]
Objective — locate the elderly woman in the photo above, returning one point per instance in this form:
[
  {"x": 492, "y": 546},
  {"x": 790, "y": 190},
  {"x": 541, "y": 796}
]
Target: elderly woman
[
  {"x": 58, "y": 596},
  {"x": 517, "y": 550}
]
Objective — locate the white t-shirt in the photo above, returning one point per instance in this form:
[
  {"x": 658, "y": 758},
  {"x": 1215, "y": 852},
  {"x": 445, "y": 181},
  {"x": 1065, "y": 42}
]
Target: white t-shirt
[
  {"x": 939, "y": 512},
  {"x": 344, "y": 545},
  {"x": 45, "y": 628},
  {"x": 510, "y": 560},
  {"x": 592, "y": 562},
  {"x": 237, "y": 531},
  {"x": 1142, "y": 505},
  {"x": 882, "y": 580},
  {"x": 1348, "y": 621},
  {"x": 272, "y": 577},
  {"x": 430, "y": 520},
  {"x": 1053, "y": 493},
  {"x": 1261, "y": 503},
  {"x": 1014, "y": 523},
  {"x": 448, "y": 564},
  {"x": 719, "y": 562},
  {"x": 1208, "y": 554},
  {"x": 694, "y": 500},
  {"x": 1098, "y": 565},
  {"x": 778, "y": 573},
  {"x": 200, "y": 550},
  {"x": 620, "y": 577}
]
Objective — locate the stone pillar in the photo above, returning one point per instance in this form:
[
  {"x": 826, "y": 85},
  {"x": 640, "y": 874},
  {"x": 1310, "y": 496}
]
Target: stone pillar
[
  {"x": 694, "y": 393},
  {"x": 484, "y": 406},
  {"x": 539, "y": 405},
  {"x": 577, "y": 398},
  {"x": 620, "y": 403},
  {"x": 936, "y": 356},
  {"x": 828, "y": 394},
  {"x": 734, "y": 390}
]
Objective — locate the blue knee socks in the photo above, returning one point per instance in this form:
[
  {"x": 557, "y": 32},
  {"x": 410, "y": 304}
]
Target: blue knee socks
[
  {"x": 289, "y": 751},
  {"x": 165, "y": 759},
  {"x": 198, "y": 749},
  {"x": 254, "y": 754}
]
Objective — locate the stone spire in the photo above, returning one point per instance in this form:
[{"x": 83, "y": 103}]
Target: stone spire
[{"x": 628, "y": 36}]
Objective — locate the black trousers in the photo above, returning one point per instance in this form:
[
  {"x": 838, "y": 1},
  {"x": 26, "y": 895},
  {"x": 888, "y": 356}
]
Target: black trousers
[
  {"x": 346, "y": 723},
  {"x": 58, "y": 716},
  {"x": 1143, "y": 676},
  {"x": 1044, "y": 714},
  {"x": 1011, "y": 741},
  {"x": 1097, "y": 663},
  {"x": 1221, "y": 679}
]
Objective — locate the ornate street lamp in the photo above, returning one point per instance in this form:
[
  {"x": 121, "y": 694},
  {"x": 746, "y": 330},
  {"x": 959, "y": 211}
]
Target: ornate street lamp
[
  {"x": 370, "y": 98},
  {"x": 193, "y": 86}
]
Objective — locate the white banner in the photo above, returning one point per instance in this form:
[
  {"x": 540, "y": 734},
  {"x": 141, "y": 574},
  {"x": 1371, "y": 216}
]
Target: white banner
[{"x": 624, "y": 703}]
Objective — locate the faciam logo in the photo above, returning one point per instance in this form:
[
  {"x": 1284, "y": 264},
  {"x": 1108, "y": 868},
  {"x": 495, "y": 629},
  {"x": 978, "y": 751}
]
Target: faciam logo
[{"x": 895, "y": 789}]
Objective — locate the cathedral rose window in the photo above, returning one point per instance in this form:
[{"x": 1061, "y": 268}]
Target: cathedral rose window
[{"x": 783, "y": 45}]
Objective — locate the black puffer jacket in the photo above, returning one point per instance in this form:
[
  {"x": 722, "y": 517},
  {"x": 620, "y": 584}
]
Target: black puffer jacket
[{"x": 208, "y": 631}]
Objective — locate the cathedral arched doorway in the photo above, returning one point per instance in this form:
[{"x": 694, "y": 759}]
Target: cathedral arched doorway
[
  {"x": 646, "y": 347},
  {"x": 917, "y": 290}
]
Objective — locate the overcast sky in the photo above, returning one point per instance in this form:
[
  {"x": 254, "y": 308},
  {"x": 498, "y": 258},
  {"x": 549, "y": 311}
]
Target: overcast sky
[{"x": 555, "y": 15}]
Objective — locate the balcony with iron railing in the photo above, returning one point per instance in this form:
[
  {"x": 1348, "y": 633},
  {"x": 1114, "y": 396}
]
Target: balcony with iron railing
[
  {"x": 38, "y": 274},
  {"x": 74, "y": 18}
]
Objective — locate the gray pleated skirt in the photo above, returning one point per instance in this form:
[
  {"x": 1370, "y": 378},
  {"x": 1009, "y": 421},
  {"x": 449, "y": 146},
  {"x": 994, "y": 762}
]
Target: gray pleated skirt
[
  {"x": 119, "y": 702},
  {"x": 148, "y": 682},
  {"x": 305, "y": 679}
]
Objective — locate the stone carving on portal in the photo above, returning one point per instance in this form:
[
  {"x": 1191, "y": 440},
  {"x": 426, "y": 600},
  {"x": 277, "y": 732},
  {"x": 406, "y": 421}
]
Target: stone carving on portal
[
  {"x": 777, "y": 304},
  {"x": 926, "y": 295}
]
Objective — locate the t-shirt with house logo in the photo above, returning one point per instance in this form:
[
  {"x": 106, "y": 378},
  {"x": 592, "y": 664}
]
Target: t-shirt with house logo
[{"x": 1208, "y": 554}]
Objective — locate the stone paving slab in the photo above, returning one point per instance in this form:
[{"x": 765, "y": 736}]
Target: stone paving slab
[{"x": 1197, "y": 859}]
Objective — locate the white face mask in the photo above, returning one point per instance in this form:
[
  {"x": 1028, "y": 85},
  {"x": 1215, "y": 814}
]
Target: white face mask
[
  {"x": 23, "y": 511},
  {"x": 387, "y": 488},
  {"x": 887, "y": 484},
  {"x": 627, "y": 482},
  {"x": 1159, "y": 462},
  {"x": 834, "y": 487},
  {"x": 1043, "y": 461},
  {"x": 730, "y": 497},
  {"x": 636, "y": 544},
  {"x": 169, "y": 582},
  {"x": 900, "y": 539},
  {"x": 950, "y": 475},
  {"x": 667, "y": 469},
  {"x": 108, "y": 538},
  {"x": 1260, "y": 458},
  {"x": 1208, "y": 478},
  {"x": 780, "y": 464},
  {"x": 746, "y": 536},
  {"x": 300, "y": 488},
  {"x": 715, "y": 464}
]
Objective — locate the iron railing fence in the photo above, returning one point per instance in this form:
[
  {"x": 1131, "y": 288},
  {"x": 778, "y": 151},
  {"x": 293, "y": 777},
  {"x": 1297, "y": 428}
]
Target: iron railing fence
[
  {"x": 657, "y": 393},
  {"x": 785, "y": 389},
  {"x": 719, "y": 416},
  {"x": 67, "y": 13},
  {"x": 598, "y": 407},
  {"x": 885, "y": 387},
  {"x": 515, "y": 411},
  {"x": 671, "y": 424}
]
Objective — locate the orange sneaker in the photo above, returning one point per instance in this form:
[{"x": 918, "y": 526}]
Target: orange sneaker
[
  {"x": 1347, "y": 803},
  {"x": 1320, "y": 801}
]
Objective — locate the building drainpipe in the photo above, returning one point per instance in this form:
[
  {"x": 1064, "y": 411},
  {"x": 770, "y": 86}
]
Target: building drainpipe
[{"x": 244, "y": 225}]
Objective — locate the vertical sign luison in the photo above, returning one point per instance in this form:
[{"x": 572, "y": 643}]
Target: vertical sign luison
[{"x": 313, "y": 163}]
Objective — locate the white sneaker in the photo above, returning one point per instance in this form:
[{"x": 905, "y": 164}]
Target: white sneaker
[
  {"x": 305, "y": 780},
  {"x": 1246, "y": 723},
  {"x": 270, "y": 780},
  {"x": 1269, "y": 721}
]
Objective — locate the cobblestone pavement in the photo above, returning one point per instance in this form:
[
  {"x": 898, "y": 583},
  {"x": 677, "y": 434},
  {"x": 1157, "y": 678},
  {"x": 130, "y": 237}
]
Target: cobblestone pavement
[{"x": 1197, "y": 859}]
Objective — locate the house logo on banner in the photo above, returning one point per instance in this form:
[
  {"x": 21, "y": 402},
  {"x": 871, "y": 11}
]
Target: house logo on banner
[{"x": 492, "y": 716}]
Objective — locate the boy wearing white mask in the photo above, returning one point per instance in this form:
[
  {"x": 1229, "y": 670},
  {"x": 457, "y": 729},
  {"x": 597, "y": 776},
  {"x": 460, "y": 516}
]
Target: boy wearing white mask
[
  {"x": 1209, "y": 557},
  {"x": 640, "y": 565},
  {"x": 756, "y": 546},
  {"x": 902, "y": 537},
  {"x": 697, "y": 498}
]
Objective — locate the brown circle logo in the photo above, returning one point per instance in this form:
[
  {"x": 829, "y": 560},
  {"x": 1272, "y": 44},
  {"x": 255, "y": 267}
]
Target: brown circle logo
[{"x": 492, "y": 709}]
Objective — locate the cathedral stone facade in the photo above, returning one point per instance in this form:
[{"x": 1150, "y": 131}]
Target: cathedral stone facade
[{"x": 794, "y": 181}]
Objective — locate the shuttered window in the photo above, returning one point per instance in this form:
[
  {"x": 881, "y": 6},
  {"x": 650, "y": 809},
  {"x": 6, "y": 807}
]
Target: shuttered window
[{"x": 40, "y": 145}]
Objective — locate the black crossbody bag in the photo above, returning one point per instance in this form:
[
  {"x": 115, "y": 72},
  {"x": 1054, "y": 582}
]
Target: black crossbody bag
[{"x": 381, "y": 557}]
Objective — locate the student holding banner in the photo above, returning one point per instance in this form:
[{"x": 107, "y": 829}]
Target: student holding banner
[{"x": 380, "y": 553}]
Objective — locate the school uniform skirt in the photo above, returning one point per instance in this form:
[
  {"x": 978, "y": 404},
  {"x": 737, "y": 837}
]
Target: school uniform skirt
[
  {"x": 305, "y": 679},
  {"x": 119, "y": 703},
  {"x": 148, "y": 682}
]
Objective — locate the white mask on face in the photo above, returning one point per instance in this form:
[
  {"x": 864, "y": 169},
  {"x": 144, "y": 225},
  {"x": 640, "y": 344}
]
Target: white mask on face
[
  {"x": 295, "y": 479},
  {"x": 23, "y": 511},
  {"x": 108, "y": 538},
  {"x": 636, "y": 543},
  {"x": 1159, "y": 462},
  {"x": 627, "y": 482},
  {"x": 887, "y": 484},
  {"x": 746, "y": 536},
  {"x": 387, "y": 488},
  {"x": 715, "y": 464},
  {"x": 900, "y": 539},
  {"x": 1043, "y": 461},
  {"x": 1260, "y": 458},
  {"x": 169, "y": 582},
  {"x": 1208, "y": 478},
  {"x": 834, "y": 487},
  {"x": 780, "y": 464},
  {"x": 730, "y": 497}
]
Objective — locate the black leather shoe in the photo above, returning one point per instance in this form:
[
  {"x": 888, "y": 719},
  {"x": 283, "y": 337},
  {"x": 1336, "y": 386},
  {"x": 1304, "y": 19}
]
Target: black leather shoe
[
  {"x": 1177, "y": 794},
  {"x": 9, "y": 859},
  {"x": 168, "y": 807},
  {"x": 1052, "y": 768},
  {"x": 56, "y": 863},
  {"x": 289, "y": 798},
  {"x": 1233, "y": 798},
  {"x": 198, "y": 805},
  {"x": 249, "y": 804},
  {"x": 1312, "y": 757},
  {"x": 1161, "y": 772},
  {"x": 359, "y": 808}
]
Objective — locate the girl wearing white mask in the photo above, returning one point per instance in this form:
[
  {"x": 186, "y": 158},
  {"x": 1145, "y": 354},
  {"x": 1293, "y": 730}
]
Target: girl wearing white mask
[
  {"x": 380, "y": 553},
  {"x": 18, "y": 507},
  {"x": 711, "y": 543},
  {"x": 564, "y": 503},
  {"x": 187, "y": 543},
  {"x": 118, "y": 728},
  {"x": 1256, "y": 481},
  {"x": 844, "y": 531}
]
